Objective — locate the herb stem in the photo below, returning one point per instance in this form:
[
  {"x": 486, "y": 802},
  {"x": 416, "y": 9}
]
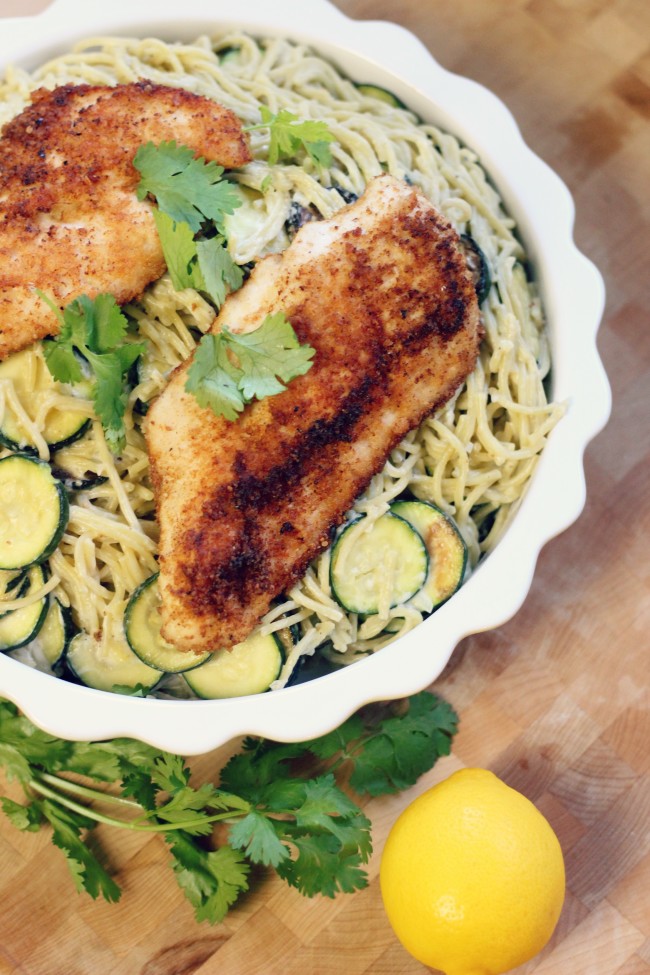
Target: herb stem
[
  {"x": 75, "y": 788},
  {"x": 158, "y": 827},
  {"x": 63, "y": 800}
]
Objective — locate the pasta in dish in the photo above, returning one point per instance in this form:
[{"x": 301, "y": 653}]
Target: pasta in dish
[{"x": 473, "y": 459}]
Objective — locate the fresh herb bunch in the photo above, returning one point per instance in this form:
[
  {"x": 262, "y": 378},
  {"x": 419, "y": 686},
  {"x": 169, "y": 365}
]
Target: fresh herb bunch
[{"x": 281, "y": 802}]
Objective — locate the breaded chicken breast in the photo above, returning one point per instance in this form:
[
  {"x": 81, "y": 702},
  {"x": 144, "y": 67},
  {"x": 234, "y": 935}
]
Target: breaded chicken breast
[
  {"x": 70, "y": 221},
  {"x": 383, "y": 294}
]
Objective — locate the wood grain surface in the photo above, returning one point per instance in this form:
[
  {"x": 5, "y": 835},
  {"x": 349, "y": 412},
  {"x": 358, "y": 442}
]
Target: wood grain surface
[{"x": 557, "y": 700}]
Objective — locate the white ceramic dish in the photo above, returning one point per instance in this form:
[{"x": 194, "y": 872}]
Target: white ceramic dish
[{"x": 573, "y": 295}]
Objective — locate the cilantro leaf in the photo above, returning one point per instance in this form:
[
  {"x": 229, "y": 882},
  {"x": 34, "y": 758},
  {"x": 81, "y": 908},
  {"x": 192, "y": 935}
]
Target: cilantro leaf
[
  {"x": 270, "y": 353},
  {"x": 108, "y": 324},
  {"x": 257, "y": 836},
  {"x": 288, "y": 135},
  {"x": 62, "y": 362},
  {"x": 338, "y": 740},
  {"x": 17, "y": 765},
  {"x": 179, "y": 250},
  {"x": 404, "y": 747},
  {"x": 169, "y": 772},
  {"x": 188, "y": 189},
  {"x": 212, "y": 881},
  {"x": 321, "y": 868},
  {"x": 323, "y": 803},
  {"x": 109, "y": 395},
  {"x": 218, "y": 270},
  {"x": 25, "y": 818},
  {"x": 213, "y": 379},
  {"x": 87, "y": 872},
  {"x": 230, "y": 370},
  {"x": 96, "y": 329},
  {"x": 204, "y": 265},
  {"x": 262, "y": 775}
]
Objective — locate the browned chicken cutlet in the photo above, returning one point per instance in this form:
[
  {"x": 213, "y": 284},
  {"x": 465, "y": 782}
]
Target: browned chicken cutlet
[
  {"x": 382, "y": 293},
  {"x": 70, "y": 220}
]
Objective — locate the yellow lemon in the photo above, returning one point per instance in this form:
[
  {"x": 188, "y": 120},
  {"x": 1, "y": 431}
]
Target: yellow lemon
[{"x": 472, "y": 876}]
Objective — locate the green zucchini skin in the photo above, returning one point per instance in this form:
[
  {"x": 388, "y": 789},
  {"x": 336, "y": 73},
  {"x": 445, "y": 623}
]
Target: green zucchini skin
[
  {"x": 20, "y": 626},
  {"x": 15, "y": 445},
  {"x": 249, "y": 668},
  {"x": 13, "y": 584},
  {"x": 56, "y": 633},
  {"x": 73, "y": 465},
  {"x": 47, "y": 649},
  {"x": 142, "y": 629},
  {"x": 60, "y": 428},
  {"x": 477, "y": 265},
  {"x": 382, "y": 94},
  {"x": 109, "y": 667},
  {"x": 34, "y": 511},
  {"x": 446, "y": 547},
  {"x": 358, "y": 562}
]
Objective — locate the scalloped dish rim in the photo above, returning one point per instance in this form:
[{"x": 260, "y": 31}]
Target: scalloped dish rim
[{"x": 573, "y": 295}]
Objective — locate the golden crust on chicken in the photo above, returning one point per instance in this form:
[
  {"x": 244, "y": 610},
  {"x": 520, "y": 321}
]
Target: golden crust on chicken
[
  {"x": 382, "y": 292},
  {"x": 70, "y": 220}
]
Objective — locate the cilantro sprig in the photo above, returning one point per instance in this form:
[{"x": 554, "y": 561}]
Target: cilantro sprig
[
  {"x": 192, "y": 200},
  {"x": 288, "y": 135},
  {"x": 186, "y": 187},
  {"x": 281, "y": 804},
  {"x": 97, "y": 331},
  {"x": 203, "y": 264},
  {"x": 230, "y": 370}
]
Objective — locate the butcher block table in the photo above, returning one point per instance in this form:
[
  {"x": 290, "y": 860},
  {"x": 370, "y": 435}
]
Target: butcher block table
[{"x": 556, "y": 701}]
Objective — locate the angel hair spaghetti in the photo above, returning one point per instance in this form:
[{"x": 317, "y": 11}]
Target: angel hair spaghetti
[{"x": 472, "y": 460}]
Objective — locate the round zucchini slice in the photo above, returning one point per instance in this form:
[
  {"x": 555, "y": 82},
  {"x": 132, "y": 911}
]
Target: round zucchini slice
[
  {"x": 109, "y": 665},
  {"x": 249, "y": 668},
  {"x": 46, "y": 650},
  {"x": 33, "y": 383},
  {"x": 33, "y": 511},
  {"x": 55, "y": 634},
  {"x": 142, "y": 628},
  {"x": 20, "y": 626},
  {"x": 446, "y": 548},
  {"x": 381, "y": 94},
  {"x": 385, "y": 565}
]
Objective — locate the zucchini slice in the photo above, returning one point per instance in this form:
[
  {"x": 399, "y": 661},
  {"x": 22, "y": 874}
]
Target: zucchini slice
[
  {"x": 382, "y": 94},
  {"x": 385, "y": 565},
  {"x": 48, "y": 647},
  {"x": 142, "y": 629},
  {"x": 33, "y": 511},
  {"x": 33, "y": 383},
  {"x": 20, "y": 626},
  {"x": 109, "y": 665},
  {"x": 446, "y": 548},
  {"x": 11, "y": 581},
  {"x": 55, "y": 634},
  {"x": 249, "y": 668},
  {"x": 77, "y": 466}
]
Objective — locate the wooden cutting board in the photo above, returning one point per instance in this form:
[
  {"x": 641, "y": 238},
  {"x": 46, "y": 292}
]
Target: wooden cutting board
[{"x": 557, "y": 700}]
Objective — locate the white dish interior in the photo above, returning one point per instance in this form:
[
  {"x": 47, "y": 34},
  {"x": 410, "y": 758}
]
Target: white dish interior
[{"x": 573, "y": 295}]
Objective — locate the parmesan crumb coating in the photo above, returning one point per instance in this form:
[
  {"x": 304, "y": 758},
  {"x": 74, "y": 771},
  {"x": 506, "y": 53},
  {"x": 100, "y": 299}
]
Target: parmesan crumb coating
[
  {"x": 70, "y": 220},
  {"x": 382, "y": 292}
]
